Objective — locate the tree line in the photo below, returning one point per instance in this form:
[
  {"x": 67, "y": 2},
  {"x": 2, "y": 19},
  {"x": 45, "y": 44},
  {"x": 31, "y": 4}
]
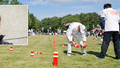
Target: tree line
[
  {"x": 10, "y": 2},
  {"x": 88, "y": 19}
]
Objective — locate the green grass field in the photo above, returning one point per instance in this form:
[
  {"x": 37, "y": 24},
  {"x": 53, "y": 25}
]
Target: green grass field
[{"x": 20, "y": 56}]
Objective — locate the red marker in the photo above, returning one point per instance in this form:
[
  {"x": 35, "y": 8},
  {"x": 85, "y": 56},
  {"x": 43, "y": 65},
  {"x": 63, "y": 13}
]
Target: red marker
[{"x": 11, "y": 48}]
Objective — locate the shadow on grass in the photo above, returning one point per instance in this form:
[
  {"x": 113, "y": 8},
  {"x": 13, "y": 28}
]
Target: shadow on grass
[
  {"x": 64, "y": 44},
  {"x": 94, "y": 53},
  {"x": 110, "y": 56},
  {"x": 100, "y": 44},
  {"x": 97, "y": 54},
  {"x": 73, "y": 52}
]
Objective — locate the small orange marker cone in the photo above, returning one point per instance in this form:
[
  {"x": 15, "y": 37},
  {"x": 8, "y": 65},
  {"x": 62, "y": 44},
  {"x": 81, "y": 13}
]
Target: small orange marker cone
[
  {"x": 62, "y": 45},
  {"x": 39, "y": 53},
  {"x": 32, "y": 53},
  {"x": 55, "y": 59},
  {"x": 76, "y": 45},
  {"x": 11, "y": 48},
  {"x": 83, "y": 46}
]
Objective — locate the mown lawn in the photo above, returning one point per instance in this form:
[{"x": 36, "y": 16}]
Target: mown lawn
[{"x": 20, "y": 56}]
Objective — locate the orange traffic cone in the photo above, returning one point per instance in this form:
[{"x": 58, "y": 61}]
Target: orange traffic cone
[
  {"x": 11, "y": 48},
  {"x": 76, "y": 45},
  {"x": 55, "y": 59},
  {"x": 83, "y": 46},
  {"x": 39, "y": 53},
  {"x": 32, "y": 53},
  {"x": 62, "y": 45}
]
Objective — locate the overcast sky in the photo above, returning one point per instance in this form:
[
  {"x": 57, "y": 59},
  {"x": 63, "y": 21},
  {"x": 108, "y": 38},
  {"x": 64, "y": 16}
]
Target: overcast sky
[{"x": 50, "y": 8}]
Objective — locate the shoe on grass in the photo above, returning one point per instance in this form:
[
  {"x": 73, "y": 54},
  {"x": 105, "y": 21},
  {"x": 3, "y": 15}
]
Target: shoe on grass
[
  {"x": 83, "y": 54},
  {"x": 69, "y": 54},
  {"x": 100, "y": 58}
]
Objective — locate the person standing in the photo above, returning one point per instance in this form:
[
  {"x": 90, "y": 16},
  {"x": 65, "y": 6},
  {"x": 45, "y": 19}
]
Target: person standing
[
  {"x": 59, "y": 31},
  {"x": 110, "y": 18}
]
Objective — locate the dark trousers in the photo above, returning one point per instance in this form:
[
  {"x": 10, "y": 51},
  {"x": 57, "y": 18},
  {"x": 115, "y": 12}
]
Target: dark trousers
[
  {"x": 106, "y": 41},
  {"x": 119, "y": 38}
]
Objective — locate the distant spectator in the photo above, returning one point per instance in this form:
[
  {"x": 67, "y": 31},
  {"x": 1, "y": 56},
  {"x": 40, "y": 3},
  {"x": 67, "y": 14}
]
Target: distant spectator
[{"x": 59, "y": 31}]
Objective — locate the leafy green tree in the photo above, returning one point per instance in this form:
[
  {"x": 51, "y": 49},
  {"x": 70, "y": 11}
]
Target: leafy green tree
[
  {"x": 46, "y": 23},
  {"x": 4, "y": 2},
  {"x": 76, "y": 16},
  {"x": 29, "y": 21},
  {"x": 87, "y": 19},
  {"x": 33, "y": 21},
  {"x": 54, "y": 23},
  {"x": 69, "y": 19},
  {"x": 39, "y": 25},
  {"x": 15, "y": 2}
]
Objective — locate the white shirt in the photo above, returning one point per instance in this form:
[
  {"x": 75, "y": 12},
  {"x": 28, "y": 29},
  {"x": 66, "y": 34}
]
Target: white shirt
[
  {"x": 73, "y": 28},
  {"x": 111, "y": 19}
]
